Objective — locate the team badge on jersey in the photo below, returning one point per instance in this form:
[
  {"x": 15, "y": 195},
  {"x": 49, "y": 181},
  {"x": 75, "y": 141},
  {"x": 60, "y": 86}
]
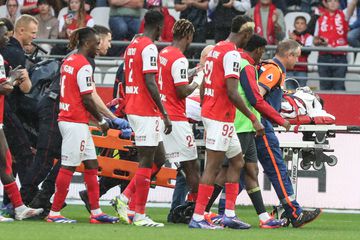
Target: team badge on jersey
[
  {"x": 183, "y": 73},
  {"x": 236, "y": 67},
  {"x": 152, "y": 61}
]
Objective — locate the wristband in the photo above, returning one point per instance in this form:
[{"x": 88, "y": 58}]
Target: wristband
[
  {"x": 102, "y": 122},
  {"x": 252, "y": 117}
]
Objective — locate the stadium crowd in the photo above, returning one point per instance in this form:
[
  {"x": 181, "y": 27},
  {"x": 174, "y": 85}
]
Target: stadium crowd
[{"x": 155, "y": 87}]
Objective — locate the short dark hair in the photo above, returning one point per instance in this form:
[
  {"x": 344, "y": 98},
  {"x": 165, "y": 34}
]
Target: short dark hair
[
  {"x": 238, "y": 21},
  {"x": 101, "y": 29},
  {"x": 256, "y": 41},
  {"x": 153, "y": 18},
  {"x": 300, "y": 17},
  {"x": 47, "y": 2},
  {"x": 80, "y": 36},
  {"x": 9, "y": 25}
]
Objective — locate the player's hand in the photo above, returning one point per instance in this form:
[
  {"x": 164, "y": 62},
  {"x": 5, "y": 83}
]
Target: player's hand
[
  {"x": 120, "y": 123},
  {"x": 23, "y": 75},
  {"x": 6, "y": 88},
  {"x": 287, "y": 125},
  {"x": 104, "y": 127},
  {"x": 126, "y": 133},
  {"x": 260, "y": 130},
  {"x": 168, "y": 125}
]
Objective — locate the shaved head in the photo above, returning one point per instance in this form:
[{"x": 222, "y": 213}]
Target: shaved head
[{"x": 205, "y": 52}]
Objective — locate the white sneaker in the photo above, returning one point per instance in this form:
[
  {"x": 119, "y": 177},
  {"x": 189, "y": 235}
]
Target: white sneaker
[
  {"x": 147, "y": 222},
  {"x": 5, "y": 219},
  {"x": 121, "y": 208},
  {"x": 26, "y": 212}
]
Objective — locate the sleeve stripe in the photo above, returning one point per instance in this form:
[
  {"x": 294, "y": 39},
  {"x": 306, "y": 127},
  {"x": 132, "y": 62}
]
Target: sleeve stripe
[
  {"x": 150, "y": 71},
  {"x": 232, "y": 76}
]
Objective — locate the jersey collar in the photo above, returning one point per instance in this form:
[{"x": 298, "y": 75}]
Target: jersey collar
[
  {"x": 247, "y": 57},
  {"x": 277, "y": 61}
]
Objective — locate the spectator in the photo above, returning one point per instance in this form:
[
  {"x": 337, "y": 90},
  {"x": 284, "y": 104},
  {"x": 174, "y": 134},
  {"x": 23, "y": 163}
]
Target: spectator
[
  {"x": 223, "y": 12},
  {"x": 89, "y": 5},
  {"x": 12, "y": 10},
  {"x": 29, "y": 7},
  {"x": 166, "y": 35},
  {"x": 124, "y": 19},
  {"x": 75, "y": 18},
  {"x": 9, "y": 25},
  {"x": 196, "y": 12},
  {"x": 305, "y": 39},
  {"x": 102, "y": 3},
  {"x": 331, "y": 30},
  {"x": 269, "y": 21},
  {"x": 48, "y": 24},
  {"x": 354, "y": 33}
]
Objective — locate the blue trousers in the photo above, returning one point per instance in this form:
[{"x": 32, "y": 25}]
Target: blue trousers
[{"x": 270, "y": 157}]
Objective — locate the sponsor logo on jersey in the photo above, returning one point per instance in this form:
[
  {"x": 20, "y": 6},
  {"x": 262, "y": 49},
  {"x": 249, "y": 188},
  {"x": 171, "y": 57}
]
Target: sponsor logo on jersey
[
  {"x": 214, "y": 54},
  {"x": 68, "y": 69},
  {"x": 132, "y": 90},
  {"x": 153, "y": 61},
  {"x": 163, "y": 61},
  {"x": 172, "y": 155},
  {"x": 183, "y": 73},
  {"x": 131, "y": 51}
]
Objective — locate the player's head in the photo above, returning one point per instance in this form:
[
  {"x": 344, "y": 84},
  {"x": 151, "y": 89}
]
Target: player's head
[
  {"x": 9, "y": 26},
  {"x": 3, "y": 34},
  {"x": 85, "y": 39},
  {"x": 105, "y": 39},
  {"x": 154, "y": 21},
  {"x": 256, "y": 47},
  {"x": 183, "y": 30},
  {"x": 26, "y": 27},
  {"x": 205, "y": 52},
  {"x": 288, "y": 51},
  {"x": 242, "y": 27}
]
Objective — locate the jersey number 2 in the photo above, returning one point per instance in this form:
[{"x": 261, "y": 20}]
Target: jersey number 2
[{"x": 62, "y": 85}]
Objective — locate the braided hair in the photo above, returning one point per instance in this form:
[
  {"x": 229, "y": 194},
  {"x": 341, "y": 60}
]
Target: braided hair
[
  {"x": 182, "y": 28},
  {"x": 80, "y": 36}
]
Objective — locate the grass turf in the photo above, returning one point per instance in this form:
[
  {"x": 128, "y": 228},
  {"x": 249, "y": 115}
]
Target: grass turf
[{"x": 327, "y": 226}]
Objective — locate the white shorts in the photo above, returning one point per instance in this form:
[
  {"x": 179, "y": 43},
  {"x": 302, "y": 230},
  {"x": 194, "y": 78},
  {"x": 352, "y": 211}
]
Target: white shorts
[
  {"x": 147, "y": 130},
  {"x": 221, "y": 136},
  {"x": 180, "y": 143},
  {"x": 77, "y": 144}
]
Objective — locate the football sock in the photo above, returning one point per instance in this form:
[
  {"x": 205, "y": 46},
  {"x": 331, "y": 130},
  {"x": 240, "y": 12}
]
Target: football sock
[
  {"x": 215, "y": 194},
  {"x": 231, "y": 192},
  {"x": 13, "y": 193},
  {"x": 256, "y": 199},
  {"x": 96, "y": 211},
  {"x": 62, "y": 187},
  {"x": 204, "y": 194},
  {"x": 192, "y": 197},
  {"x": 52, "y": 213},
  {"x": 264, "y": 216},
  {"x": 92, "y": 185},
  {"x": 138, "y": 217},
  {"x": 142, "y": 186},
  {"x": 132, "y": 203}
]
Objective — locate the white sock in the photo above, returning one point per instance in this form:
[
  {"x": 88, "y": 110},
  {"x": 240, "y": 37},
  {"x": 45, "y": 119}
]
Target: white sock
[
  {"x": 96, "y": 211},
  {"x": 230, "y": 213},
  {"x": 52, "y": 213},
  {"x": 198, "y": 217},
  {"x": 124, "y": 198},
  {"x": 130, "y": 212},
  {"x": 264, "y": 216},
  {"x": 139, "y": 217},
  {"x": 20, "y": 208}
]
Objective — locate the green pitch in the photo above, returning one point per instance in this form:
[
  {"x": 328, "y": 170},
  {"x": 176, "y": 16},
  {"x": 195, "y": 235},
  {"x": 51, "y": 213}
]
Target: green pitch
[{"x": 327, "y": 227}]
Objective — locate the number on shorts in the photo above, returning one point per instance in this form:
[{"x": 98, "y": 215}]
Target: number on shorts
[
  {"x": 82, "y": 145},
  {"x": 190, "y": 140},
  {"x": 228, "y": 130},
  {"x": 157, "y": 125}
]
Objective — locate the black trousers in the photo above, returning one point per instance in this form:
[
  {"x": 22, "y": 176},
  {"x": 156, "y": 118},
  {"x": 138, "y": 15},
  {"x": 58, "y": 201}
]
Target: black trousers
[{"x": 48, "y": 147}]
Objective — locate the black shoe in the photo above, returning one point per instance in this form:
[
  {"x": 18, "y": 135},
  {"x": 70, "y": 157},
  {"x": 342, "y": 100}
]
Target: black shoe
[
  {"x": 84, "y": 197},
  {"x": 305, "y": 217},
  {"x": 41, "y": 200}
]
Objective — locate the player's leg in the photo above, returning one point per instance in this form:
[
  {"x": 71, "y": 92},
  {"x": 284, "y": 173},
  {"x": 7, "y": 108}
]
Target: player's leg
[
  {"x": 10, "y": 186},
  {"x": 270, "y": 157}
]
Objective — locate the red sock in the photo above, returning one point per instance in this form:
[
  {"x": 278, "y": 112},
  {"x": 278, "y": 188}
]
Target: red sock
[
  {"x": 132, "y": 203},
  {"x": 192, "y": 197},
  {"x": 13, "y": 193},
  {"x": 154, "y": 170},
  {"x": 142, "y": 185},
  {"x": 204, "y": 194},
  {"x": 92, "y": 185},
  {"x": 8, "y": 159},
  {"x": 62, "y": 187},
  {"x": 231, "y": 193}
]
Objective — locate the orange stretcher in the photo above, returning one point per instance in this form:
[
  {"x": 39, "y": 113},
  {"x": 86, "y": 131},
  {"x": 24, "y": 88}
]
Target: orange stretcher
[{"x": 123, "y": 169}]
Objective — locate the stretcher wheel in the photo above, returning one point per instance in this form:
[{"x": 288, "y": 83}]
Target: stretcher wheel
[
  {"x": 305, "y": 165},
  {"x": 333, "y": 160},
  {"x": 318, "y": 165}
]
